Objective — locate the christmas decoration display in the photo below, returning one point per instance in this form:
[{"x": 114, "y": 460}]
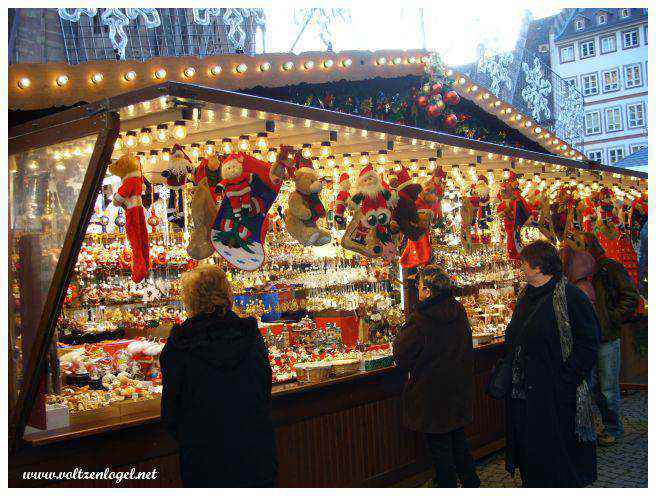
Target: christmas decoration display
[
  {"x": 128, "y": 196},
  {"x": 638, "y": 216},
  {"x": 248, "y": 188},
  {"x": 536, "y": 91},
  {"x": 369, "y": 232},
  {"x": 515, "y": 212},
  {"x": 203, "y": 212},
  {"x": 343, "y": 196},
  {"x": 305, "y": 208},
  {"x": 431, "y": 197},
  {"x": 477, "y": 213},
  {"x": 177, "y": 174}
]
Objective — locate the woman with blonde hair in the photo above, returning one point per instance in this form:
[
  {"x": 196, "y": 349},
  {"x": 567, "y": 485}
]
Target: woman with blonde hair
[{"x": 216, "y": 398}]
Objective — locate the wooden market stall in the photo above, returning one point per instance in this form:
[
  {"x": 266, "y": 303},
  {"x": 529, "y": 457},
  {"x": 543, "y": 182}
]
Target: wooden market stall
[{"x": 341, "y": 432}]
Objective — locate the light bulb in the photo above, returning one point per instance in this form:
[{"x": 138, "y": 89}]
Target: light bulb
[
  {"x": 241, "y": 68},
  {"x": 288, "y": 66},
  {"x": 306, "y": 150},
  {"x": 97, "y": 78},
  {"x": 309, "y": 64},
  {"x": 153, "y": 157},
  {"x": 226, "y": 145},
  {"x": 328, "y": 63},
  {"x": 347, "y": 62},
  {"x": 261, "y": 141},
  {"x": 130, "y": 139},
  {"x": 347, "y": 160},
  {"x": 364, "y": 158},
  {"x": 24, "y": 83},
  {"x": 162, "y": 133},
  {"x": 145, "y": 137},
  {"x": 265, "y": 66},
  {"x": 195, "y": 150},
  {"x": 271, "y": 155},
  {"x": 209, "y": 147},
  {"x": 130, "y": 75},
  {"x": 396, "y": 60},
  {"x": 62, "y": 80},
  {"x": 331, "y": 161},
  {"x": 381, "y": 61},
  {"x": 189, "y": 72},
  {"x": 382, "y": 157},
  {"x": 118, "y": 144},
  {"x": 166, "y": 154},
  {"x": 325, "y": 149},
  {"x": 180, "y": 129},
  {"x": 216, "y": 70},
  {"x": 160, "y": 74},
  {"x": 243, "y": 143}
]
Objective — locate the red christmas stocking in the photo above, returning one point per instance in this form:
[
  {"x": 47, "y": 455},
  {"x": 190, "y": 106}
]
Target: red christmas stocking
[{"x": 137, "y": 233}]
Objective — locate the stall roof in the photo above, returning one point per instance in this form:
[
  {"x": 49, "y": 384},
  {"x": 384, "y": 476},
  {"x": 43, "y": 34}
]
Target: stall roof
[
  {"x": 95, "y": 80},
  {"x": 166, "y": 103}
]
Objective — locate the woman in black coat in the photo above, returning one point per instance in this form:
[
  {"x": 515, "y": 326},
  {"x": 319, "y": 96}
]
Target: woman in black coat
[
  {"x": 435, "y": 347},
  {"x": 217, "y": 390},
  {"x": 550, "y": 433}
]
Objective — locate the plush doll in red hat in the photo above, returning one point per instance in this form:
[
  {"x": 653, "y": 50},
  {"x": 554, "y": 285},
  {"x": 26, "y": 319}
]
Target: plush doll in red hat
[
  {"x": 235, "y": 184},
  {"x": 369, "y": 232},
  {"x": 177, "y": 174},
  {"x": 128, "y": 196},
  {"x": 514, "y": 211},
  {"x": 432, "y": 195},
  {"x": 341, "y": 201},
  {"x": 481, "y": 211}
]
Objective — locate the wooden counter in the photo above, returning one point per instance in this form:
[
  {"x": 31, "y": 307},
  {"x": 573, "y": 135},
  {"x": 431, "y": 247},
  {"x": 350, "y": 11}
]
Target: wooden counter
[{"x": 341, "y": 433}]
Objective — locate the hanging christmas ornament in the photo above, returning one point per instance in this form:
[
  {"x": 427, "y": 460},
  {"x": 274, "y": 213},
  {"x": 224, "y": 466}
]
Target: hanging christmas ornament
[
  {"x": 451, "y": 98},
  {"x": 422, "y": 101},
  {"x": 437, "y": 88},
  {"x": 436, "y": 109},
  {"x": 451, "y": 121}
]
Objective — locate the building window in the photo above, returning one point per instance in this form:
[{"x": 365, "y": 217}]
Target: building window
[
  {"x": 610, "y": 80},
  {"x": 543, "y": 48},
  {"x": 589, "y": 84},
  {"x": 646, "y": 37},
  {"x": 566, "y": 54},
  {"x": 615, "y": 155},
  {"x": 579, "y": 24},
  {"x": 596, "y": 155},
  {"x": 631, "y": 39},
  {"x": 632, "y": 76},
  {"x": 635, "y": 148},
  {"x": 608, "y": 44},
  {"x": 613, "y": 119},
  {"x": 635, "y": 115},
  {"x": 592, "y": 123},
  {"x": 624, "y": 13},
  {"x": 601, "y": 19},
  {"x": 587, "y": 49},
  {"x": 569, "y": 83}
]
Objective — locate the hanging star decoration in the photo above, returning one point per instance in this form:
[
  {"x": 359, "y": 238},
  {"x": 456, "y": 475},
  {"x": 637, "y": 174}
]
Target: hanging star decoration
[
  {"x": 569, "y": 119},
  {"x": 322, "y": 20},
  {"x": 536, "y": 91},
  {"x": 497, "y": 67}
]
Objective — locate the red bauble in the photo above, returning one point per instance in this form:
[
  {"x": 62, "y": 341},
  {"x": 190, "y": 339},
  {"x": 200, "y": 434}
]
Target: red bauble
[
  {"x": 452, "y": 98},
  {"x": 435, "y": 110},
  {"x": 451, "y": 120},
  {"x": 437, "y": 88},
  {"x": 422, "y": 101}
]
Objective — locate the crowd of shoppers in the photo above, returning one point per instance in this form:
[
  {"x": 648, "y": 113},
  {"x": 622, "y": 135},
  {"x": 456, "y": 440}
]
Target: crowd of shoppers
[{"x": 561, "y": 353}]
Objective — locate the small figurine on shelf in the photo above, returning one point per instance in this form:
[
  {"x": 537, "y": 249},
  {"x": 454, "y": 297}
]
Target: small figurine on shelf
[{"x": 128, "y": 196}]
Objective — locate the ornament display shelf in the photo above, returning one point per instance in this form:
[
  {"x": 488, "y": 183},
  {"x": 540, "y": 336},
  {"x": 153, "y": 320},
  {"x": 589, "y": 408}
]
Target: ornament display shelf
[{"x": 133, "y": 303}]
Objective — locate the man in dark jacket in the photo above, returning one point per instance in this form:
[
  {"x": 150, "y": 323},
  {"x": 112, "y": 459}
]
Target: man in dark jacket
[
  {"x": 616, "y": 300},
  {"x": 435, "y": 347},
  {"x": 216, "y": 397}
]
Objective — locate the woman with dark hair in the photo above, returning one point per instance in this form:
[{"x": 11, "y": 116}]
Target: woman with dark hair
[
  {"x": 552, "y": 339},
  {"x": 216, "y": 398},
  {"x": 435, "y": 347}
]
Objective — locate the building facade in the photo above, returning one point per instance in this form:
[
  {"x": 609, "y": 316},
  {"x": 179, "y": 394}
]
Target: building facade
[{"x": 603, "y": 54}]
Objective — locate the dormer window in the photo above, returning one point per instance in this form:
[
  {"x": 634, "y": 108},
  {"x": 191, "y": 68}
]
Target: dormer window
[
  {"x": 601, "y": 19},
  {"x": 579, "y": 24},
  {"x": 624, "y": 13}
]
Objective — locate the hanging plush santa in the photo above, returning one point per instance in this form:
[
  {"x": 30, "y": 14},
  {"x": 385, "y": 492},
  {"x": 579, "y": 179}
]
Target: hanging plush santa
[
  {"x": 128, "y": 196},
  {"x": 375, "y": 202},
  {"x": 343, "y": 195},
  {"x": 177, "y": 174},
  {"x": 514, "y": 211},
  {"x": 479, "y": 198},
  {"x": 432, "y": 194}
]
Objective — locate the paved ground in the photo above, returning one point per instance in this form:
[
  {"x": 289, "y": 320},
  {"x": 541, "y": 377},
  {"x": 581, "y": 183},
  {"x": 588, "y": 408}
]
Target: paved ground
[{"x": 621, "y": 465}]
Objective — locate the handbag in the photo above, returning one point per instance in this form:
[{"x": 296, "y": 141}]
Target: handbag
[{"x": 500, "y": 382}]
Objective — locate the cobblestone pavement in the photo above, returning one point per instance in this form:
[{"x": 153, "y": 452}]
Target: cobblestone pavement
[{"x": 621, "y": 465}]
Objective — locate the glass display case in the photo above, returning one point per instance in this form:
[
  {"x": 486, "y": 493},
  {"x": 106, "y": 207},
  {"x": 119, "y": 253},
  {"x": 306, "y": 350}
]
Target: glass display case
[{"x": 86, "y": 337}]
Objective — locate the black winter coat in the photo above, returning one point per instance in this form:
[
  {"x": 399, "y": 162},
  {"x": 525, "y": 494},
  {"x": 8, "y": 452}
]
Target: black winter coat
[
  {"x": 554, "y": 457},
  {"x": 435, "y": 347},
  {"x": 216, "y": 401}
]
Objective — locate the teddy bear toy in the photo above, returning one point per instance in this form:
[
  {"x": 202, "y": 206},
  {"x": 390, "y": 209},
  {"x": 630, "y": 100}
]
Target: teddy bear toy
[
  {"x": 128, "y": 196},
  {"x": 305, "y": 208}
]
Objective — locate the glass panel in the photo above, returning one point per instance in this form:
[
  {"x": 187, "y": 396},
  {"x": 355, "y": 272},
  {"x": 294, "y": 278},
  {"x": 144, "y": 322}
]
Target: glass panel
[{"x": 44, "y": 185}]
